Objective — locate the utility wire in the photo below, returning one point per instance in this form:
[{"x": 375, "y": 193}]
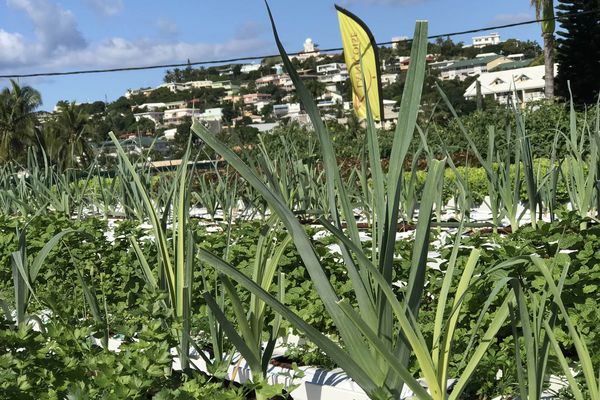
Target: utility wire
[{"x": 254, "y": 58}]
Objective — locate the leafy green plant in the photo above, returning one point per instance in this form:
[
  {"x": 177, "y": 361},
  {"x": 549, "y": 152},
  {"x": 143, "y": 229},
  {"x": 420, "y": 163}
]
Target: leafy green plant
[{"x": 591, "y": 381}]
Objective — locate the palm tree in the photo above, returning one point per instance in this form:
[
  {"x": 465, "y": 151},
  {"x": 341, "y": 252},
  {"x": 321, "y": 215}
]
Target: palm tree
[
  {"x": 17, "y": 120},
  {"x": 66, "y": 137},
  {"x": 544, "y": 9}
]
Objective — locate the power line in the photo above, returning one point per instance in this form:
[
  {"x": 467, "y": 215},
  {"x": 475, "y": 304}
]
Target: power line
[{"x": 254, "y": 58}]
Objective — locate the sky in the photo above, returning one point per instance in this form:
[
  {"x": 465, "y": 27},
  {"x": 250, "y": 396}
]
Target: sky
[{"x": 51, "y": 36}]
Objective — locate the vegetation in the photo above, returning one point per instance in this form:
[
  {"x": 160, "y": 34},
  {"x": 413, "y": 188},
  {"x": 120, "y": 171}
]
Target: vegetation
[
  {"x": 578, "y": 52},
  {"x": 17, "y": 121},
  {"x": 544, "y": 10},
  {"x": 342, "y": 234}
]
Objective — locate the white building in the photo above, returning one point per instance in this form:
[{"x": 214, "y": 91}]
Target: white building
[
  {"x": 310, "y": 50},
  {"x": 198, "y": 84},
  {"x": 462, "y": 69},
  {"x": 174, "y": 86},
  {"x": 388, "y": 79},
  {"x": 169, "y": 134},
  {"x": 210, "y": 114},
  {"x": 154, "y": 116},
  {"x": 259, "y": 105},
  {"x": 523, "y": 85},
  {"x": 282, "y": 80},
  {"x": 286, "y": 110},
  {"x": 134, "y": 92},
  {"x": 332, "y": 73},
  {"x": 253, "y": 98},
  {"x": 486, "y": 40},
  {"x": 334, "y": 78},
  {"x": 165, "y": 106},
  {"x": 178, "y": 115},
  {"x": 331, "y": 68},
  {"x": 247, "y": 68}
]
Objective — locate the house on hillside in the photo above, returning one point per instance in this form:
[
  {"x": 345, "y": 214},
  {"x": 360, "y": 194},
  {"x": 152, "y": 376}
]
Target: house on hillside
[
  {"x": 332, "y": 73},
  {"x": 198, "y": 84},
  {"x": 178, "y": 115},
  {"x": 388, "y": 79},
  {"x": 247, "y": 68},
  {"x": 282, "y": 80},
  {"x": 486, "y": 40},
  {"x": 252, "y": 98},
  {"x": 154, "y": 116},
  {"x": 174, "y": 86},
  {"x": 331, "y": 68},
  {"x": 132, "y": 145},
  {"x": 134, "y": 92},
  {"x": 160, "y": 106},
  {"x": 522, "y": 85},
  {"x": 462, "y": 69},
  {"x": 395, "y": 64},
  {"x": 512, "y": 65},
  {"x": 286, "y": 110}
]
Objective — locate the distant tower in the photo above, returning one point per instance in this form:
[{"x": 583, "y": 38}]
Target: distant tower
[
  {"x": 309, "y": 46},
  {"x": 310, "y": 50}
]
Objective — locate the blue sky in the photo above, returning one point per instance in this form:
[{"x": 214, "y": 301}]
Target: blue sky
[{"x": 51, "y": 35}]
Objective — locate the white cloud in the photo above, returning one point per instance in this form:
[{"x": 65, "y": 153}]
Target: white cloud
[
  {"x": 107, "y": 7},
  {"x": 504, "y": 19},
  {"x": 54, "y": 27},
  {"x": 12, "y": 48},
  {"x": 120, "y": 52},
  {"x": 59, "y": 45}
]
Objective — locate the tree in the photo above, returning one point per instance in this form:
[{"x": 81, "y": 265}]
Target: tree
[
  {"x": 529, "y": 48},
  {"x": 578, "y": 51},
  {"x": 316, "y": 88},
  {"x": 17, "y": 120},
  {"x": 67, "y": 138},
  {"x": 544, "y": 9},
  {"x": 246, "y": 134},
  {"x": 230, "y": 111},
  {"x": 267, "y": 112}
]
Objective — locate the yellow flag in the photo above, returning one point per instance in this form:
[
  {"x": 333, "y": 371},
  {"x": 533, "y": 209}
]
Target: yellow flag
[{"x": 360, "y": 54}]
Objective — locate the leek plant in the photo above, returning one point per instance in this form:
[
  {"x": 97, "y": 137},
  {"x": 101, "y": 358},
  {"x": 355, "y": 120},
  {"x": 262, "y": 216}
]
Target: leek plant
[
  {"x": 537, "y": 316},
  {"x": 106, "y": 194},
  {"x": 487, "y": 164},
  {"x": 528, "y": 168},
  {"x": 248, "y": 337},
  {"x": 207, "y": 195},
  {"x": 299, "y": 181},
  {"x": 380, "y": 332},
  {"x": 507, "y": 186},
  {"x": 549, "y": 189},
  {"x": 580, "y": 165},
  {"x": 175, "y": 257},
  {"x": 504, "y": 187}
]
